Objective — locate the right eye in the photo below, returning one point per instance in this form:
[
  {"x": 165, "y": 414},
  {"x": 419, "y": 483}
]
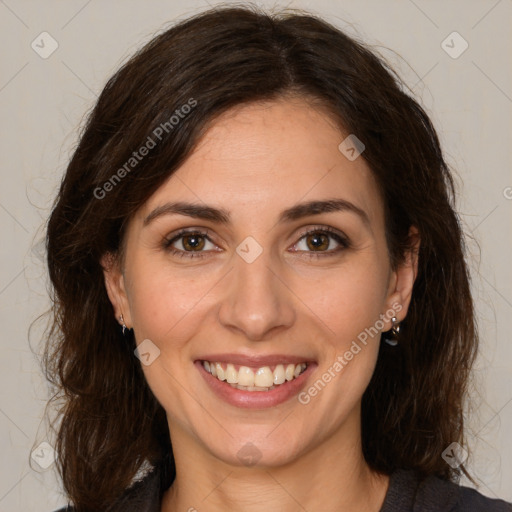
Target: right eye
[{"x": 192, "y": 243}]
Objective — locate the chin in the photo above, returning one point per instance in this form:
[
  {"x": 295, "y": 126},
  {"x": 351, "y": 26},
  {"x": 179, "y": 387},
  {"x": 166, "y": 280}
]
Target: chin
[{"x": 258, "y": 450}]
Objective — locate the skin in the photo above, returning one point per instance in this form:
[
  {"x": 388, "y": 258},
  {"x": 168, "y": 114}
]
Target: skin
[{"x": 255, "y": 161}]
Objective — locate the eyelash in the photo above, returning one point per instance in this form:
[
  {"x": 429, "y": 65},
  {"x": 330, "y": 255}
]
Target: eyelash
[{"x": 342, "y": 240}]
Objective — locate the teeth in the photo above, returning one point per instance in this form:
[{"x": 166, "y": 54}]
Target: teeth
[
  {"x": 231, "y": 374},
  {"x": 290, "y": 371},
  {"x": 263, "y": 377},
  {"x": 250, "y": 388},
  {"x": 245, "y": 376},
  {"x": 248, "y": 380},
  {"x": 279, "y": 375},
  {"x": 220, "y": 371}
]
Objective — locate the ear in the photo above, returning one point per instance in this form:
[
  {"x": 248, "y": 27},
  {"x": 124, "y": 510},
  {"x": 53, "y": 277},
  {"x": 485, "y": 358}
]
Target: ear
[
  {"x": 403, "y": 278},
  {"x": 115, "y": 286}
]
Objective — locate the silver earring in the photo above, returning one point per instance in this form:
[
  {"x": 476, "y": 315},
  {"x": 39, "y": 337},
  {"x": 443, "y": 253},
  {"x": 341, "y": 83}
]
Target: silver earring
[
  {"x": 395, "y": 329},
  {"x": 121, "y": 319}
]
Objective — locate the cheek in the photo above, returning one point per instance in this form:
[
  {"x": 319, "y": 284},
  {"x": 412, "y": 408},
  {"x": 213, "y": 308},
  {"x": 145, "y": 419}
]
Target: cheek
[
  {"x": 348, "y": 300},
  {"x": 164, "y": 309},
  {"x": 350, "y": 309},
  {"x": 160, "y": 299}
]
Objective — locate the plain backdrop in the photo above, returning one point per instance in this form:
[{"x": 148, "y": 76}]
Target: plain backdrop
[{"x": 44, "y": 98}]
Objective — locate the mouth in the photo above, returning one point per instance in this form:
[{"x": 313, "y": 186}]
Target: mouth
[
  {"x": 247, "y": 378},
  {"x": 250, "y": 383}
]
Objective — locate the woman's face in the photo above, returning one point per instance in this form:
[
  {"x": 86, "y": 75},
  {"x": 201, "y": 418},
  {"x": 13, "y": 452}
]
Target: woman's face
[{"x": 249, "y": 288}]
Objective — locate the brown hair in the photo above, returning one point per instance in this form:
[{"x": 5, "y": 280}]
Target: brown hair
[{"x": 412, "y": 408}]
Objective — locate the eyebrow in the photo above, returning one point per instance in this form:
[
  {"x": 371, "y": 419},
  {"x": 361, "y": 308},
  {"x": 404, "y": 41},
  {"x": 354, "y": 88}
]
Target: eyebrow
[{"x": 222, "y": 216}]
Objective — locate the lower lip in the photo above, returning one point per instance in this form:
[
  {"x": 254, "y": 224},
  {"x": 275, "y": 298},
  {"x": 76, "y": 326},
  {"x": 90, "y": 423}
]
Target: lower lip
[{"x": 256, "y": 399}]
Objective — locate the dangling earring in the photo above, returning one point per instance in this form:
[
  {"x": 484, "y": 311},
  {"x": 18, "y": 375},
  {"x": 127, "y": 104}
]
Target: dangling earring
[
  {"x": 121, "y": 319},
  {"x": 395, "y": 329}
]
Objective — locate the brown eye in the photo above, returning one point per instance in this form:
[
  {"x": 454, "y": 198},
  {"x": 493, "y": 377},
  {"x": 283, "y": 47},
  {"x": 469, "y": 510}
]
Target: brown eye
[
  {"x": 320, "y": 242},
  {"x": 188, "y": 243},
  {"x": 193, "y": 242},
  {"x": 317, "y": 241}
]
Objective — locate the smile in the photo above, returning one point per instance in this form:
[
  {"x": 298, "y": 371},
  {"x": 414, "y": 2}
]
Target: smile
[
  {"x": 264, "y": 378},
  {"x": 255, "y": 382}
]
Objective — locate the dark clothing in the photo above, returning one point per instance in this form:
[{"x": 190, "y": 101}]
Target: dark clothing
[{"x": 406, "y": 493}]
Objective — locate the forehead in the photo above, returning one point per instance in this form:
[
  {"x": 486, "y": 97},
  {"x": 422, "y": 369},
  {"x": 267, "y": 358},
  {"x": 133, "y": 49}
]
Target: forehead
[{"x": 277, "y": 153}]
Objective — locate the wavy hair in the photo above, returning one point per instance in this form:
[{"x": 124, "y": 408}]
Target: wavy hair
[{"x": 110, "y": 420}]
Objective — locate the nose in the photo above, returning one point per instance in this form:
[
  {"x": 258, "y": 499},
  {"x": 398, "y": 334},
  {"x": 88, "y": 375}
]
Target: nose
[{"x": 257, "y": 299}]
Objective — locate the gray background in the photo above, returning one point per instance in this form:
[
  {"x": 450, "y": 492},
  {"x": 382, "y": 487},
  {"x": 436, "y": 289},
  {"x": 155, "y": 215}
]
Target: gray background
[{"x": 44, "y": 100}]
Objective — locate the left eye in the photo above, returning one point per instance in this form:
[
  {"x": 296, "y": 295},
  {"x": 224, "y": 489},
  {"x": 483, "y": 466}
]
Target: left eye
[{"x": 320, "y": 241}]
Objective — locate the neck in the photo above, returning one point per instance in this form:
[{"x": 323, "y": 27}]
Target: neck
[{"x": 332, "y": 476}]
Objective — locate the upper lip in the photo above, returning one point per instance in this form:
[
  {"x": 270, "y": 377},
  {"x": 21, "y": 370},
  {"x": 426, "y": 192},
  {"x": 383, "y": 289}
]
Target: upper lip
[{"x": 254, "y": 360}]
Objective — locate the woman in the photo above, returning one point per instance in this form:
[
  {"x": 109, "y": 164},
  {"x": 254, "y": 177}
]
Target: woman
[{"x": 261, "y": 298}]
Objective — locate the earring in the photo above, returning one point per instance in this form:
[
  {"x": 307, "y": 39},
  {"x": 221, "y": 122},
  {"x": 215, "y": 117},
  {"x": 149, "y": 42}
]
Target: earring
[
  {"x": 121, "y": 319},
  {"x": 395, "y": 329}
]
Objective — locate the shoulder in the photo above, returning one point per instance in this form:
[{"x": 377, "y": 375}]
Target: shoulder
[
  {"x": 459, "y": 498},
  {"x": 143, "y": 495},
  {"x": 472, "y": 500},
  {"x": 409, "y": 493},
  {"x": 436, "y": 494}
]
